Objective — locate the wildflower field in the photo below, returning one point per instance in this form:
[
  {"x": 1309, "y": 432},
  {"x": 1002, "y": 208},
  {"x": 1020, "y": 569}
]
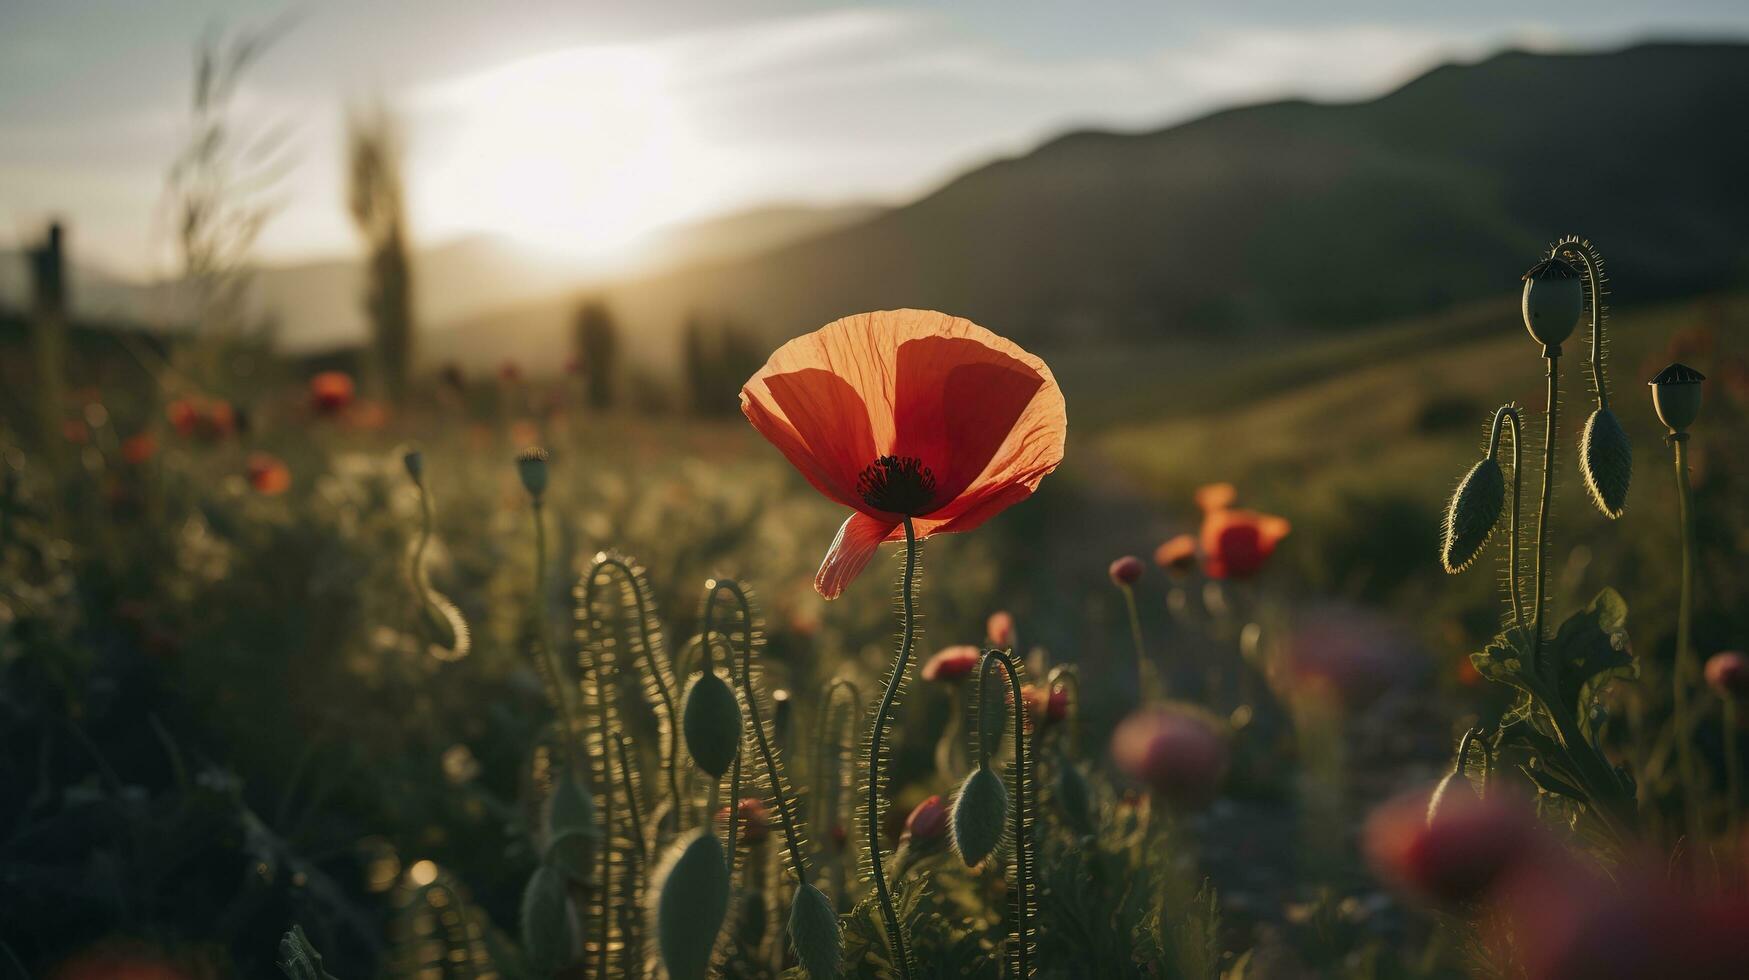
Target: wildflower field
[{"x": 821, "y": 490}]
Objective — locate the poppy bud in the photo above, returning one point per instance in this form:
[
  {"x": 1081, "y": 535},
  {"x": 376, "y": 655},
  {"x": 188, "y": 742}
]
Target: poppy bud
[
  {"x": 711, "y": 721},
  {"x": 568, "y": 819},
  {"x": 1474, "y": 510},
  {"x": 1554, "y": 297},
  {"x": 1607, "y": 460},
  {"x": 815, "y": 934},
  {"x": 1676, "y": 396},
  {"x": 978, "y": 814},
  {"x": 1179, "y": 754},
  {"x": 1728, "y": 674},
  {"x": 548, "y": 937},
  {"x": 414, "y": 461},
  {"x": 1073, "y": 797},
  {"x": 691, "y": 900},
  {"x": 951, "y": 663},
  {"x": 1126, "y": 570},
  {"x": 999, "y": 630},
  {"x": 531, "y": 465},
  {"x": 927, "y": 822}
]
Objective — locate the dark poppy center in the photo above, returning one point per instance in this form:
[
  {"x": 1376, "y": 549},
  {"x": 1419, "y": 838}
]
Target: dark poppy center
[{"x": 897, "y": 485}]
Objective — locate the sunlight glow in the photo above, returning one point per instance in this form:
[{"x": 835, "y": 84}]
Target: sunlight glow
[{"x": 579, "y": 151}]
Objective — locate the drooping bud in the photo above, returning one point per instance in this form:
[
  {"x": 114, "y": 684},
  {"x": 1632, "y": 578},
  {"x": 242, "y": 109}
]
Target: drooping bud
[
  {"x": 978, "y": 814},
  {"x": 1073, "y": 798},
  {"x": 927, "y": 823},
  {"x": 1607, "y": 459},
  {"x": 549, "y": 937},
  {"x": 1473, "y": 513},
  {"x": 814, "y": 933},
  {"x": 569, "y": 828},
  {"x": 1554, "y": 297},
  {"x": 1676, "y": 396},
  {"x": 531, "y": 466},
  {"x": 691, "y": 900},
  {"x": 711, "y": 723},
  {"x": 414, "y": 461}
]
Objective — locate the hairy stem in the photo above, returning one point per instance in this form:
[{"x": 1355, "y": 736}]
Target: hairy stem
[
  {"x": 1683, "y": 670},
  {"x": 771, "y": 772},
  {"x": 655, "y": 671},
  {"x": 561, "y": 693},
  {"x": 1553, "y": 354},
  {"x": 1582, "y": 253},
  {"x": 895, "y": 932},
  {"x": 1509, "y": 416},
  {"x": 1022, "y": 847}
]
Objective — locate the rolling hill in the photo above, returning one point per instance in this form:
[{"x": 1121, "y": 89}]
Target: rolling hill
[{"x": 1276, "y": 218}]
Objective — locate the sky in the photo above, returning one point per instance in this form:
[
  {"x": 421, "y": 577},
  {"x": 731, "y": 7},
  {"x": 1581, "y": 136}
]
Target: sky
[{"x": 580, "y": 126}]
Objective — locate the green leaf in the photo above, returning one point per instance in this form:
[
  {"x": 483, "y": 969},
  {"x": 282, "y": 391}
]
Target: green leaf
[
  {"x": 1591, "y": 649},
  {"x": 1508, "y": 659},
  {"x": 1552, "y": 784}
]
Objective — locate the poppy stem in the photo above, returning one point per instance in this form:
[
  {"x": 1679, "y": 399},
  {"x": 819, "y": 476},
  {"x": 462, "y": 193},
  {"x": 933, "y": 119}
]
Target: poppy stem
[
  {"x": 1146, "y": 673},
  {"x": 1553, "y": 355},
  {"x": 561, "y": 696},
  {"x": 1022, "y": 774},
  {"x": 895, "y": 931},
  {"x": 1733, "y": 775},
  {"x": 1683, "y": 668}
]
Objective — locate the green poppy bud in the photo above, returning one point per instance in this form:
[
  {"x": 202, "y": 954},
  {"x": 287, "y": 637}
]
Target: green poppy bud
[
  {"x": 531, "y": 465},
  {"x": 1676, "y": 396},
  {"x": 711, "y": 722},
  {"x": 1554, "y": 297},
  {"x": 1474, "y": 510},
  {"x": 1608, "y": 461},
  {"x": 414, "y": 461},
  {"x": 691, "y": 899},
  {"x": 814, "y": 933},
  {"x": 1073, "y": 798},
  {"x": 549, "y": 935},
  {"x": 568, "y": 823},
  {"x": 978, "y": 814}
]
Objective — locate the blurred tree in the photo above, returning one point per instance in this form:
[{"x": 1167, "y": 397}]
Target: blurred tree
[
  {"x": 597, "y": 352},
  {"x": 717, "y": 357},
  {"x": 377, "y": 201},
  {"x": 219, "y": 195},
  {"x": 48, "y": 289}
]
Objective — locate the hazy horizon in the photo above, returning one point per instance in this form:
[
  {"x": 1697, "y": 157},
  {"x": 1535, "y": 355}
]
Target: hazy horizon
[{"x": 586, "y": 137}]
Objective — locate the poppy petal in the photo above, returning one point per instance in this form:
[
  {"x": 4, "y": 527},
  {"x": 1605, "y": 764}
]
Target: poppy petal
[
  {"x": 850, "y": 553},
  {"x": 819, "y": 422},
  {"x": 957, "y": 400}
]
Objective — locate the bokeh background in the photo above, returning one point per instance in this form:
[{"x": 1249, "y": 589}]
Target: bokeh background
[{"x": 1273, "y": 244}]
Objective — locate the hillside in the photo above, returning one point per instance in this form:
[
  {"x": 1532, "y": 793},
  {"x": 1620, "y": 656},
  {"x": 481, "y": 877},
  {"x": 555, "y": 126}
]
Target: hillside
[{"x": 1281, "y": 216}]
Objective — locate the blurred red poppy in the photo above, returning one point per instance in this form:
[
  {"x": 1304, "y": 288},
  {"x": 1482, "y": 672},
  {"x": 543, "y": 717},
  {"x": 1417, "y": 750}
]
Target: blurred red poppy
[
  {"x": 752, "y": 817},
  {"x": 1238, "y": 543},
  {"x": 1177, "y": 752},
  {"x": 1213, "y": 497},
  {"x": 1177, "y": 555},
  {"x": 1045, "y": 709},
  {"x": 76, "y": 432},
  {"x": 139, "y": 448},
  {"x": 999, "y": 630},
  {"x": 1461, "y": 853},
  {"x": 331, "y": 392},
  {"x": 908, "y": 414},
  {"x": 267, "y": 474},
  {"x": 951, "y": 663}
]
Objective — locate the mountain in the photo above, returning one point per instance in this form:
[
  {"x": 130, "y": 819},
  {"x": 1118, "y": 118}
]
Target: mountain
[{"x": 1277, "y": 218}]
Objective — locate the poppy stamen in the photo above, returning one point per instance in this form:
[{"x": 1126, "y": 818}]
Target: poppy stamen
[{"x": 897, "y": 485}]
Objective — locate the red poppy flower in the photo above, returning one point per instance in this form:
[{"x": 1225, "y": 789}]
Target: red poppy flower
[
  {"x": 753, "y": 818},
  {"x": 908, "y": 414},
  {"x": 268, "y": 475},
  {"x": 951, "y": 663},
  {"x": 1238, "y": 543},
  {"x": 184, "y": 416},
  {"x": 1177, "y": 555},
  {"x": 1460, "y": 854},
  {"x": 139, "y": 448},
  {"x": 331, "y": 392},
  {"x": 1176, "y": 751},
  {"x": 1212, "y": 497}
]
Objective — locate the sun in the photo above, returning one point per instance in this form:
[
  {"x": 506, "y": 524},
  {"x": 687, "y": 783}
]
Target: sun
[{"x": 581, "y": 152}]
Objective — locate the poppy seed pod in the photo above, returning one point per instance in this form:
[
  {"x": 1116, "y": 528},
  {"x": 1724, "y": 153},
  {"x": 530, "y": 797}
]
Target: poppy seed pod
[
  {"x": 1676, "y": 396},
  {"x": 815, "y": 934},
  {"x": 1473, "y": 513},
  {"x": 531, "y": 465},
  {"x": 690, "y": 903},
  {"x": 1608, "y": 462},
  {"x": 978, "y": 814},
  {"x": 711, "y": 722},
  {"x": 1554, "y": 297}
]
